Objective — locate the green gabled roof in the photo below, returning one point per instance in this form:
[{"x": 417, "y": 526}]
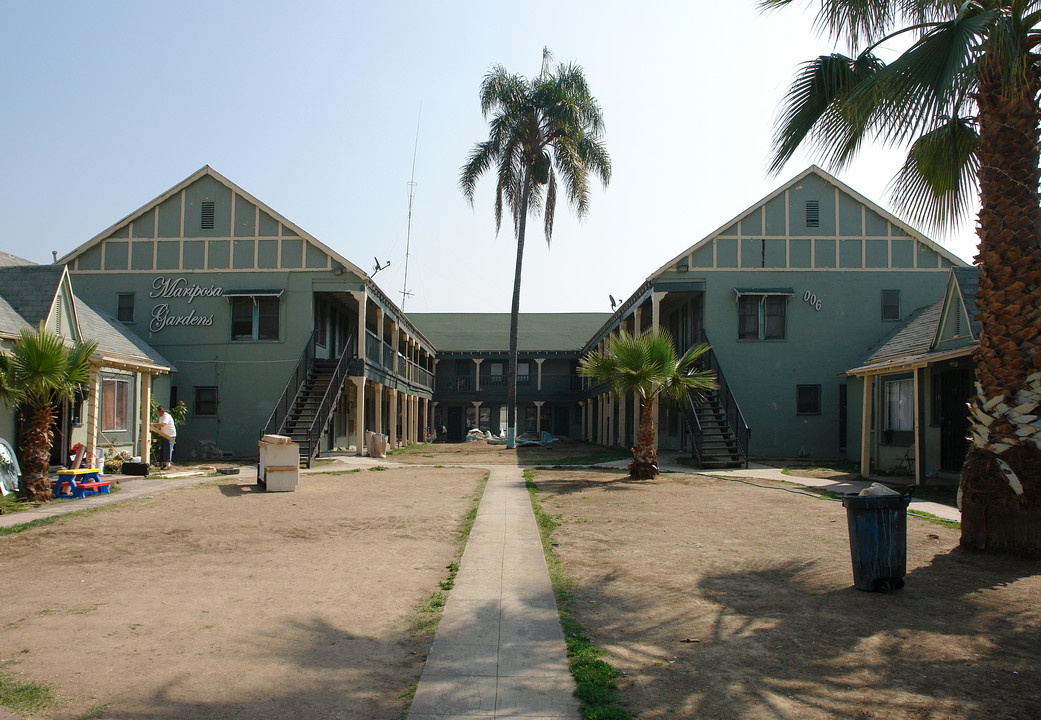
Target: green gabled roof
[{"x": 490, "y": 332}]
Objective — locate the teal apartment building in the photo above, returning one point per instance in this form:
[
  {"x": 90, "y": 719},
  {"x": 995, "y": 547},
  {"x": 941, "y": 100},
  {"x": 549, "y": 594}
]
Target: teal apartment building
[{"x": 266, "y": 329}]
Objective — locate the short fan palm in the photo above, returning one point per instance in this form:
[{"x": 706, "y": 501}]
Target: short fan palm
[
  {"x": 40, "y": 372},
  {"x": 646, "y": 367}
]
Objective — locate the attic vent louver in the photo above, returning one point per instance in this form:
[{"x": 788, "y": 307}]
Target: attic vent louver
[
  {"x": 207, "y": 215},
  {"x": 813, "y": 213}
]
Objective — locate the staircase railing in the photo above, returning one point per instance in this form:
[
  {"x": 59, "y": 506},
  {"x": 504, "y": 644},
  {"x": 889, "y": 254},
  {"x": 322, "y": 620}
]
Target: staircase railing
[
  {"x": 731, "y": 409},
  {"x": 325, "y": 409},
  {"x": 276, "y": 421},
  {"x": 697, "y": 434}
]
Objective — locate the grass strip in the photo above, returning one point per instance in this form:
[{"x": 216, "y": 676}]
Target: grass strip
[
  {"x": 25, "y": 697},
  {"x": 428, "y": 613},
  {"x": 595, "y": 685}
]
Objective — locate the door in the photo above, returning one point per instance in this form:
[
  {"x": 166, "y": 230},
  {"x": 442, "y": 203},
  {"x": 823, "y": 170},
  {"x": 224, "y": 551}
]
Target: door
[
  {"x": 955, "y": 391},
  {"x": 455, "y": 424}
]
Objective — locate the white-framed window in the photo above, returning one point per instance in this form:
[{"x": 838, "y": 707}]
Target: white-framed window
[
  {"x": 900, "y": 405},
  {"x": 762, "y": 317},
  {"x": 115, "y": 404}
]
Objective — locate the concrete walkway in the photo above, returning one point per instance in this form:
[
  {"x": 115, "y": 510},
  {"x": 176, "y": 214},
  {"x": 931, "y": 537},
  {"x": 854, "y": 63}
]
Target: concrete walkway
[{"x": 499, "y": 650}]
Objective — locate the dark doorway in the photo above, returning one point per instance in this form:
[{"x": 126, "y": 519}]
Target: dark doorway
[
  {"x": 455, "y": 424},
  {"x": 955, "y": 391},
  {"x": 562, "y": 421}
]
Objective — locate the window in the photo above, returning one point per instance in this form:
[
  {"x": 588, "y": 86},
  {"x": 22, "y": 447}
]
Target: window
[
  {"x": 900, "y": 405},
  {"x": 254, "y": 318},
  {"x": 761, "y": 317},
  {"x": 125, "y": 307},
  {"x": 890, "y": 304},
  {"x": 206, "y": 401},
  {"x": 808, "y": 399},
  {"x": 813, "y": 213},
  {"x": 115, "y": 404},
  {"x": 206, "y": 215},
  {"x": 523, "y": 373}
]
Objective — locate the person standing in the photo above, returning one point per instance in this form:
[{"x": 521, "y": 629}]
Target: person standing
[{"x": 167, "y": 437}]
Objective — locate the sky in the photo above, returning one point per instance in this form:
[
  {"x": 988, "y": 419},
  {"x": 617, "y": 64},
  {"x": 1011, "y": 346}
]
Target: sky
[{"x": 326, "y": 111}]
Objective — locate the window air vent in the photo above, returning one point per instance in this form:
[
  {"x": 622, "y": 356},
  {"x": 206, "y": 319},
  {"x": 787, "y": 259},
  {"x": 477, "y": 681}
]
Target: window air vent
[
  {"x": 813, "y": 213},
  {"x": 207, "y": 214}
]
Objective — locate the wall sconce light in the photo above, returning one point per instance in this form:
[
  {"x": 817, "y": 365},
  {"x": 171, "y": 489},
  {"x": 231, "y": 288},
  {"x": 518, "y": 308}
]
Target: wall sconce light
[{"x": 682, "y": 266}]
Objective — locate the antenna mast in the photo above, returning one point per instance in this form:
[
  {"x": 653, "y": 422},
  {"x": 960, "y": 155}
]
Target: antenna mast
[{"x": 411, "y": 194}]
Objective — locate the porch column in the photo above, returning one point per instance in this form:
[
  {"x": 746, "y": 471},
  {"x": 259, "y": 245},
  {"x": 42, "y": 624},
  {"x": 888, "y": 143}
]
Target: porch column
[
  {"x": 413, "y": 403},
  {"x": 656, "y": 299},
  {"x": 377, "y": 401},
  {"x": 610, "y": 418},
  {"x": 359, "y": 415},
  {"x": 392, "y": 407},
  {"x": 539, "y": 361},
  {"x": 918, "y": 428},
  {"x": 394, "y": 331},
  {"x": 424, "y": 414},
  {"x": 477, "y": 371},
  {"x": 582, "y": 415},
  {"x": 621, "y": 422},
  {"x": 538, "y": 416},
  {"x": 93, "y": 398},
  {"x": 865, "y": 428},
  {"x": 146, "y": 417},
  {"x": 362, "y": 299}
]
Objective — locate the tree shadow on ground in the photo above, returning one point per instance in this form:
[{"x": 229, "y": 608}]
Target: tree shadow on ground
[
  {"x": 772, "y": 641},
  {"x": 351, "y": 682},
  {"x": 564, "y": 481}
]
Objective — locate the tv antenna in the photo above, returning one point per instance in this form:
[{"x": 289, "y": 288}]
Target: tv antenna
[{"x": 405, "y": 292}]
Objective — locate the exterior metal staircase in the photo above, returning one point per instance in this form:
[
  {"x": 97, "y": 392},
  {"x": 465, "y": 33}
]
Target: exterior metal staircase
[
  {"x": 305, "y": 410},
  {"x": 717, "y": 428},
  {"x": 309, "y": 400}
]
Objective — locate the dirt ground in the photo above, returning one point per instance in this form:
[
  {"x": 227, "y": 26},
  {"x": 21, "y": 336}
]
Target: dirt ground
[
  {"x": 722, "y": 600},
  {"x": 480, "y": 451},
  {"x": 223, "y": 602}
]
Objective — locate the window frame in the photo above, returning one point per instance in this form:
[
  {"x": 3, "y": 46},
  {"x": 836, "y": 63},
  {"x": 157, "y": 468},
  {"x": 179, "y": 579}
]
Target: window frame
[
  {"x": 115, "y": 424},
  {"x": 906, "y": 385},
  {"x": 895, "y": 305},
  {"x": 799, "y": 400},
  {"x": 764, "y": 318},
  {"x": 259, "y": 321},
  {"x": 120, "y": 307},
  {"x": 197, "y": 402}
]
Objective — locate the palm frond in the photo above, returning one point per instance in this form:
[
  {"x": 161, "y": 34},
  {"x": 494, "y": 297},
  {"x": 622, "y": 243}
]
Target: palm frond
[
  {"x": 551, "y": 204},
  {"x": 818, "y": 104},
  {"x": 932, "y": 76},
  {"x": 937, "y": 183}
]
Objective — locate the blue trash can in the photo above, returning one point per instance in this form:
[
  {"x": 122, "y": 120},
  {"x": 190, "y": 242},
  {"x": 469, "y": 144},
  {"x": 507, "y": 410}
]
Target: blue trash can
[{"x": 878, "y": 540}]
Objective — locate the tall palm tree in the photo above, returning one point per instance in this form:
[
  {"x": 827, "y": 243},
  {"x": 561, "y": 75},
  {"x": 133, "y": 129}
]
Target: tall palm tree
[
  {"x": 541, "y": 128},
  {"x": 40, "y": 372},
  {"x": 965, "y": 99},
  {"x": 646, "y": 367}
]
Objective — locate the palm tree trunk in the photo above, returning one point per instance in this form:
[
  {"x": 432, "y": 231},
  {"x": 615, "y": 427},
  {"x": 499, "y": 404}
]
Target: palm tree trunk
[
  {"x": 511, "y": 379},
  {"x": 36, "y": 449},
  {"x": 645, "y": 458},
  {"x": 1001, "y": 478}
]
